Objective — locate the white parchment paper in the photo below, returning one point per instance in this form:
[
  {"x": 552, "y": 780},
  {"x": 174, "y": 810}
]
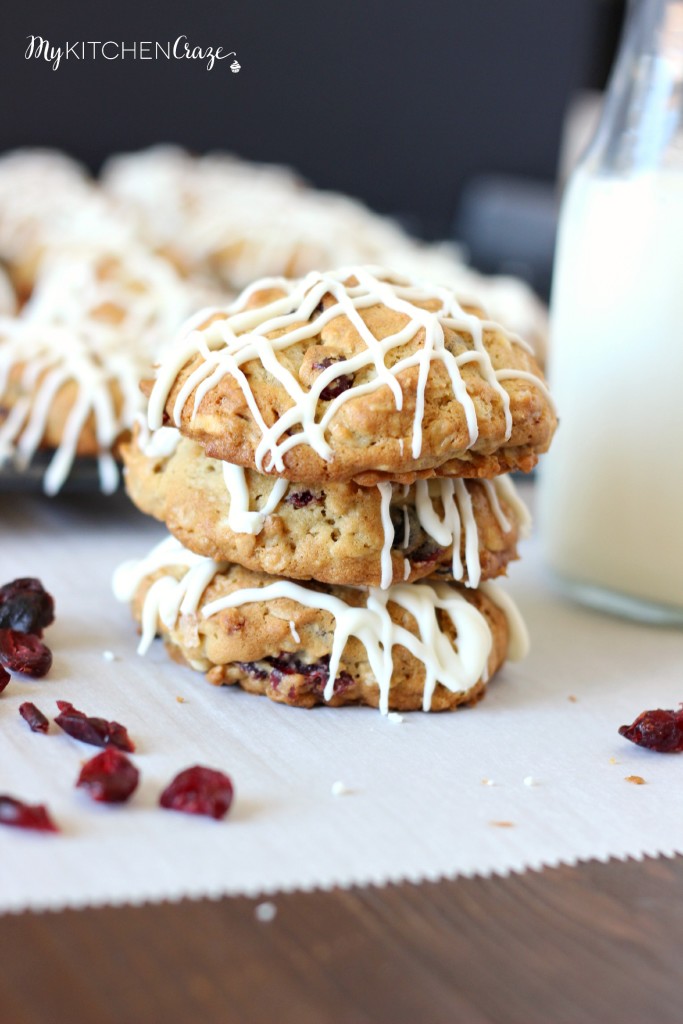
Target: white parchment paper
[{"x": 417, "y": 806}]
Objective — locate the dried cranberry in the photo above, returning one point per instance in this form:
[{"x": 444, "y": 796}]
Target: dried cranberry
[
  {"x": 300, "y": 499},
  {"x": 97, "y": 731},
  {"x": 118, "y": 737},
  {"x": 338, "y": 385},
  {"x": 250, "y": 668},
  {"x": 4, "y": 678},
  {"x": 199, "y": 790},
  {"x": 35, "y": 718},
  {"x": 109, "y": 777},
  {"x": 20, "y": 815},
  {"x": 316, "y": 673},
  {"x": 25, "y": 606},
  {"x": 657, "y": 730},
  {"x": 426, "y": 554},
  {"x": 411, "y": 540},
  {"x": 402, "y": 527},
  {"x": 325, "y": 363},
  {"x": 22, "y": 652},
  {"x": 279, "y": 667}
]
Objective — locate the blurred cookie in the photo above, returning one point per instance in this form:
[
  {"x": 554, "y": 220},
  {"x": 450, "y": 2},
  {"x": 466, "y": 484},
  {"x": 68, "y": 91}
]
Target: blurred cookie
[
  {"x": 232, "y": 221},
  {"x": 57, "y": 394},
  {"x": 72, "y": 360},
  {"x": 49, "y": 206}
]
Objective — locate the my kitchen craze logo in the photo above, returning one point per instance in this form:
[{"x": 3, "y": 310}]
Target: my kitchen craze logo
[{"x": 112, "y": 49}]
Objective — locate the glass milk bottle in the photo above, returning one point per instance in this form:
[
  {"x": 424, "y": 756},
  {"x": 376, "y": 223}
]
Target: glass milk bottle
[{"x": 611, "y": 489}]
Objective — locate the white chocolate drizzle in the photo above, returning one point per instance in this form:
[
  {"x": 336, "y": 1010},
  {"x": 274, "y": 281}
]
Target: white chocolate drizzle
[
  {"x": 459, "y": 518},
  {"x": 506, "y": 299},
  {"x": 386, "y": 564},
  {"x": 503, "y": 487},
  {"x": 169, "y": 598},
  {"x": 518, "y": 643},
  {"x": 295, "y": 636},
  {"x": 227, "y": 343},
  {"x": 240, "y": 519},
  {"x": 162, "y": 443}
]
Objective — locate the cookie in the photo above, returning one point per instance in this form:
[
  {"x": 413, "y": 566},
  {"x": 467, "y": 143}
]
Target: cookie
[
  {"x": 48, "y": 207},
  {"x": 114, "y": 300},
  {"x": 71, "y": 361},
  {"x": 234, "y": 221},
  {"x": 355, "y": 374},
  {"x": 337, "y": 532},
  {"x": 57, "y": 394},
  {"x": 421, "y": 645}
]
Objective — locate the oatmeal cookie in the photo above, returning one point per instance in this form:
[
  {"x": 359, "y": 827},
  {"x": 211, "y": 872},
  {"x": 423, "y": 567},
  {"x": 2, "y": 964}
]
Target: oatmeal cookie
[
  {"x": 337, "y": 532},
  {"x": 421, "y": 645},
  {"x": 355, "y": 374}
]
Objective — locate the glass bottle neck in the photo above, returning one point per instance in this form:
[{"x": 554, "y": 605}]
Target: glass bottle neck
[{"x": 641, "y": 127}]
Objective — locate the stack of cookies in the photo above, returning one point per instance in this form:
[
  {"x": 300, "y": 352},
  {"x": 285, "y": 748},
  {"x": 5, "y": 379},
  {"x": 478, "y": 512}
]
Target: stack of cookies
[{"x": 329, "y": 455}]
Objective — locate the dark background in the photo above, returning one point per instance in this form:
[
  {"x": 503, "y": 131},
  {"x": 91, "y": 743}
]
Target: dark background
[{"x": 398, "y": 103}]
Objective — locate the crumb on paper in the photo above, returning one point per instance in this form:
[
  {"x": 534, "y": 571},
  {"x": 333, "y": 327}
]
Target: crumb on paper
[
  {"x": 637, "y": 780},
  {"x": 295, "y": 635},
  {"x": 487, "y": 782},
  {"x": 613, "y": 760},
  {"x": 572, "y": 698},
  {"x": 265, "y": 912},
  {"x": 396, "y": 717},
  {"x": 503, "y": 824},
  {"x": 108, "y": 656},
  {"x": 340, "y": 788},
  {"x": 530, "y": 781},
  {"x": 181, "y": 700}
]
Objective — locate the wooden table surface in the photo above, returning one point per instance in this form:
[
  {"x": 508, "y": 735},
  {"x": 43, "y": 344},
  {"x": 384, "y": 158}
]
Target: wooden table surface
[{"x": 598, "y": 943}]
